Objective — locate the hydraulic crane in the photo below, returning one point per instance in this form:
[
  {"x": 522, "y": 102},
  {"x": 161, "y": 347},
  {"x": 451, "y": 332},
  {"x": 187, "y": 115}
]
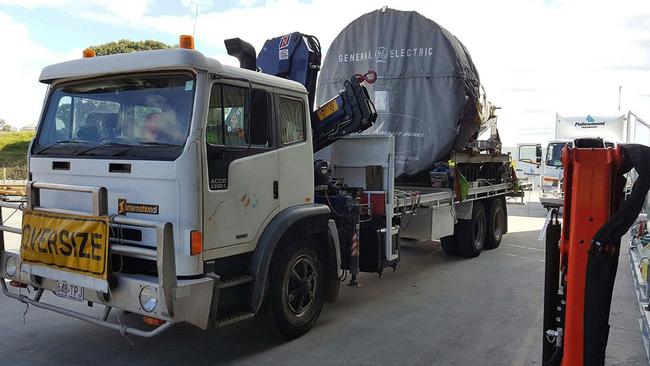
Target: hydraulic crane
[{"x": 582, "y": 252}]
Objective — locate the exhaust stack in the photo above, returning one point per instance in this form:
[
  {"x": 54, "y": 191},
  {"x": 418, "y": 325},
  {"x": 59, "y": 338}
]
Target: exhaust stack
[{"x": 244, "y": 52}]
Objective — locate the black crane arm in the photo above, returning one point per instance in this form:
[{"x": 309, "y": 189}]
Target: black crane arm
[{"x": 350, "y": 111}]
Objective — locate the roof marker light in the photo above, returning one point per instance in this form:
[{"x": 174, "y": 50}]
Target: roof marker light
[
  {"x": 186, "y": 42},
  {"x": 89, "y": 53}
]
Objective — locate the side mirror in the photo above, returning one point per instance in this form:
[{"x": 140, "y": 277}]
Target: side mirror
[{"x": 538, "y": 154}]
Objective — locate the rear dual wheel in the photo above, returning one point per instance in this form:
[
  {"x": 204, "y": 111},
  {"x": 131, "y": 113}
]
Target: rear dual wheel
[
  {"x": 484, "y": 230},
  {"x": 470, "y": 234},
  {"x": 496, "y": 223}
]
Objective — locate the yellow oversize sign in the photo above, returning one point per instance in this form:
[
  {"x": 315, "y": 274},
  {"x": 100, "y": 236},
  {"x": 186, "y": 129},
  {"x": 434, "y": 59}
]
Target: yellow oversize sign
[{"x": 69, "y": 242}]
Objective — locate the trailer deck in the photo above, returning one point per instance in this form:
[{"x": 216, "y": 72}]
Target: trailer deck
[{"x": 406, "y": 196}]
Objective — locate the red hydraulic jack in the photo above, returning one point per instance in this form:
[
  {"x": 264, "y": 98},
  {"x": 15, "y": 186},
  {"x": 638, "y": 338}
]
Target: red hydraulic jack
[{"x": 582, "y": 253}]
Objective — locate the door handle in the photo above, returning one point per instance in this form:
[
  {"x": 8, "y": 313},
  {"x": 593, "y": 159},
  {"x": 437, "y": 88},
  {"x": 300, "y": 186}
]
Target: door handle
[{"x": 275, "y": 190}]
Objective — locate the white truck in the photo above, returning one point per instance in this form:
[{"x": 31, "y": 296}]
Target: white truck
[
  {"x": 170, "y": 186},
  {"x": 613, "y": 129},
  {"x": 528, "y": 160}
]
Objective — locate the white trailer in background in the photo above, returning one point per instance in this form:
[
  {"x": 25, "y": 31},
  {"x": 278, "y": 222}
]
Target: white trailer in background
[{"x": 613, "y": 129}]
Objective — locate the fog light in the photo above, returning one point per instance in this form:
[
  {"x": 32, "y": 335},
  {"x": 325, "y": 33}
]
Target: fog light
[
  {"x": 148, "y": 300},
  {"x": 152, "y": 321},
  {"x": 10, "y": 266}
]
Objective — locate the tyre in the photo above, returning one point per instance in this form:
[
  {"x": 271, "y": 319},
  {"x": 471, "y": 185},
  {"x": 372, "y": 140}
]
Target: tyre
[
  {"x": 496, "y": 223},
  {"x": 449, "y": 245},
  {"x": 470, "y": 234},
  {"x": 295, "y": 297}
]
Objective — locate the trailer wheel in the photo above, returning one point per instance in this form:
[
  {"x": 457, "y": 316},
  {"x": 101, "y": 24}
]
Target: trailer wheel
[
  {"x": 470, "y": 234},
  {"x": 496, "y": 224},
  {"x": 449, "y": 245},
  {"x": 295, "y": 297}
]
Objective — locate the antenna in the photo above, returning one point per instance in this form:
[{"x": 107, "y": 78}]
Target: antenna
[
  {"x": 620, "y": 88},
  {"x": 196, "y": 16}
]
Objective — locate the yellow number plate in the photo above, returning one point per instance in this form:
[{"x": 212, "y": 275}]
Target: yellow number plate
[
  {"x": 69, "y": 242},
  {"x": 326, "y": 110}
]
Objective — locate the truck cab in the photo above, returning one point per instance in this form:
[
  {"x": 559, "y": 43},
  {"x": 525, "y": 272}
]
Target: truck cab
[
  {"x": 194, "y": 172},
  {"x": 551, "y": 194},
  {"x": 551, "y": 180},
  {"x": 528, "y": 160}
]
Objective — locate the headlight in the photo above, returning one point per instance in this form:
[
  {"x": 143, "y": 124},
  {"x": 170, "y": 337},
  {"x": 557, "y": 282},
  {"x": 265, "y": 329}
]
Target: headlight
[
  {"x": 148, "y": 300},
  {"x": 10, "y": 266}
]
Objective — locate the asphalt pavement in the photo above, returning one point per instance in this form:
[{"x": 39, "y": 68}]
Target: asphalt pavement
[{"x": 434, "y": 310}]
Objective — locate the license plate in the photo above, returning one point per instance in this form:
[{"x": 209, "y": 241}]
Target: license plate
[
  {"x": 66, "y": 242},
  {"x": 69, "y": 291}
]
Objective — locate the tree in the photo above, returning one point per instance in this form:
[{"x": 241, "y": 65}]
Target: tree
[
  {"x": 4, "y": 126},
  {"x": 126, "y": 46}
]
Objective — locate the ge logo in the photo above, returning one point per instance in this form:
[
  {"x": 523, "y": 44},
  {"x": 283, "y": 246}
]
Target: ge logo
[{"x": 381, "y": 54}]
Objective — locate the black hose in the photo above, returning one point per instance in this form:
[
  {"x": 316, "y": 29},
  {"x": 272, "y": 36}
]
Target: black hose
[{"x": 551, "y": 284}]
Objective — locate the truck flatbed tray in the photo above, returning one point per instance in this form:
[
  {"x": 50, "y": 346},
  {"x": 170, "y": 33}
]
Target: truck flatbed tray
[{"x": 437, "y": 197}]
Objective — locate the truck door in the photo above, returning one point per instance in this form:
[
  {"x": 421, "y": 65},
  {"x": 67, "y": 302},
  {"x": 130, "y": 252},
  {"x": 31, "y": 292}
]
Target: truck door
[
  {"x": 529, "y": 160},
  {"x": 296, "y": 186},
  {"x": 241, "y": 167}
]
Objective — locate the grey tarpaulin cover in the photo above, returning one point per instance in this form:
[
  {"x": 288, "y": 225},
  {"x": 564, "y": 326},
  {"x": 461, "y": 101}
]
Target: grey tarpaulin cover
[{"x": 427, "y": 88}]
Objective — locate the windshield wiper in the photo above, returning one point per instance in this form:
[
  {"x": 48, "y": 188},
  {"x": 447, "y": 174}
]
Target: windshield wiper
[
  {"x": 145, "y": 143},
  {"x": 104, "y": 145},
  {"x": 156, "y": 143},
  {"x": 59, "y": 143}
]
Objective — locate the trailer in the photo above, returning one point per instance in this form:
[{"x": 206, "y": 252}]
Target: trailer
[
  {"x": 466, "y": 220},
  {"x": 170, "y": 186}
]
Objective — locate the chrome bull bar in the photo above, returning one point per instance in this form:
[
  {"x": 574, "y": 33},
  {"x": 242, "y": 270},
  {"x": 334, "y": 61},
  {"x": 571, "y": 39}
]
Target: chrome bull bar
[{"x": 163, "y": 255}]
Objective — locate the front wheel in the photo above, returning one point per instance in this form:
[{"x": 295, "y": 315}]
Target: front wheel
[{"x": 295, "y": 297}]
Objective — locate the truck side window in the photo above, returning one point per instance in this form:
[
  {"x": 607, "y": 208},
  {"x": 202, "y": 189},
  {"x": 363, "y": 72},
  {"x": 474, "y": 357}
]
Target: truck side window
[
  {"x": 528, "y": 153},
  {"x": 292, "y": 120},
  {"x": 227, "y": 118}
]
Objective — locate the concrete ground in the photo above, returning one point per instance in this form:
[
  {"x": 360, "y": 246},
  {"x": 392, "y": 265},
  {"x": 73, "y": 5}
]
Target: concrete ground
[{"x": 435, "y": 310}]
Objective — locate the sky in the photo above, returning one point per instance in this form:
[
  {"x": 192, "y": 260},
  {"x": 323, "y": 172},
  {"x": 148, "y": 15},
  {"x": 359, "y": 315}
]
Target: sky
[{"x": 535, "y": 57}]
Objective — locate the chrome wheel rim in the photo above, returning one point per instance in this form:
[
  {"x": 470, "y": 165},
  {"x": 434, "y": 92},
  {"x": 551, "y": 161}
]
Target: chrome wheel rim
[
  {"x": 479, "y": 231},
  {"x": 301, "y": 286},
  {"x": 497, "y": 224}
]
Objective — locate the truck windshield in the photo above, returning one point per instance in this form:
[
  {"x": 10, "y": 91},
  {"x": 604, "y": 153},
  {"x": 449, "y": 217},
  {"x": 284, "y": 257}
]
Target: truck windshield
[
  {"x": 137, "y": 116},
  {"x": 553, "y": 153}
]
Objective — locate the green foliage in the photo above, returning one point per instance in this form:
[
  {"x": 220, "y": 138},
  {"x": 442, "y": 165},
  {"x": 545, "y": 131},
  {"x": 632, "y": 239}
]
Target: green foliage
[
  {"x": 126, "y": 46},
  {"x": 13, "y": 153},
  {"x": 4, "y": 126}
]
